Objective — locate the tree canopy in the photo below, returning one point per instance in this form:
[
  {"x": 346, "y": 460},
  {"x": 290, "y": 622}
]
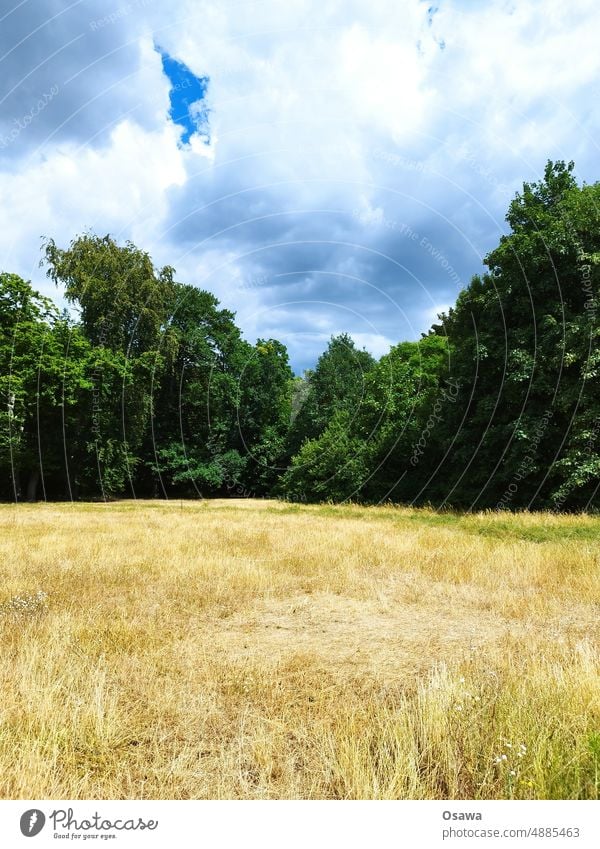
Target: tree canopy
[{"x": 147, "y": 387}]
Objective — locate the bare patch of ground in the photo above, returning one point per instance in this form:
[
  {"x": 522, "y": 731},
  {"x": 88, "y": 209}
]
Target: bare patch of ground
[{"x": 403, "y": 639}]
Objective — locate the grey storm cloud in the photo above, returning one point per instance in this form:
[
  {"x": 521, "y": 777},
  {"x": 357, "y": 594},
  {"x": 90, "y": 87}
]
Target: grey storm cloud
[
  {"x": 67, "y": 73},
  {"x": 373, "y": 271},
  {"x": 357, "y": 173}
]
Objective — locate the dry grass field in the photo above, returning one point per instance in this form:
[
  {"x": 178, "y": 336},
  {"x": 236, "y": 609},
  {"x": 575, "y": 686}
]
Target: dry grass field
[{"x": 256, "y": 649}]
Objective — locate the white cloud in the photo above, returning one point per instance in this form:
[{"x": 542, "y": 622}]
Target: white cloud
[
  {"x": 377, "y": 344},
  {"x": 318, "y": 110}
]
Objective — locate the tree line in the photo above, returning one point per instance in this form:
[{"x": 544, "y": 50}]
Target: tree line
[{"x": 146, "y": 387}]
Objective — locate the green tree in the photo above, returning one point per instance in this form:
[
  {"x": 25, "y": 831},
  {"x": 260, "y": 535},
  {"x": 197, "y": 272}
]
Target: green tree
[
  {"x": 525, "y": 353},
  {"x": 43, "y": 365},
  {"x": 123, "y": 300},
  {"x": 124, "y": 305},
  {"x": 264, "y": 413},
  {"x": 195, "y": 443},
  {"x": 409, "y": 393},
  {"x": 337, "y": 384},
  {"x": 374, "y": 453},
  {"x": 329, "y": 468}
]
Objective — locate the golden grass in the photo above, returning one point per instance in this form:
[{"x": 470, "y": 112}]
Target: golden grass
[{"x": 254, "y": 649}]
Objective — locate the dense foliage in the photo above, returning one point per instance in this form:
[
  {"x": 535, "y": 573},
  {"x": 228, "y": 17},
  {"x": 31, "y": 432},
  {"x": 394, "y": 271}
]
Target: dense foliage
[{"x": 152, "y": 390}]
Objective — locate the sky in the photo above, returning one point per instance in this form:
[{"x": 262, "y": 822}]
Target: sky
[{"x": 341, "y": 165}]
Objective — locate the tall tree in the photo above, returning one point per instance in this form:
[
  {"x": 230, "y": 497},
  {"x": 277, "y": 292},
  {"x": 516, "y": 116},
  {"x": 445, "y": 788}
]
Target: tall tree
[
  {"x": 44, "y": 375},
  {"x": 124, "y": 304},
  {"x": 264, "y": 414},
  {"x": 374, "y": 452},
  {"x": 337, "y": 384},
  {"x": 123, "y": 300},
  {"x": 195, "y": 434},
  {"x": 526, "y": 349}
]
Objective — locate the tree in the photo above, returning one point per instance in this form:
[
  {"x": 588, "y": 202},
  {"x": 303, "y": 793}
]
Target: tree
[
  {"x": 43, "y": 378},
  {"x": 330, "y": 468},
  {"x": 408, "y": 395},
  {"x": 195, "y": 443},
  {"x": 124, "y": 301},
  {"x": 264, "y": 413},
  {"x": 335, "y": 385},
  {"x": 154, "y": 389},
  {"x": 124, "y": 306},
  {"x": 370, "y": 453},
  {"x": 525, "y": 351}
]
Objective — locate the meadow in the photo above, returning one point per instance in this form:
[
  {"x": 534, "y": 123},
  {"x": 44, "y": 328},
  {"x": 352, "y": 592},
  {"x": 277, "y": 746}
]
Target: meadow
[{"x": 257, "y": 649}]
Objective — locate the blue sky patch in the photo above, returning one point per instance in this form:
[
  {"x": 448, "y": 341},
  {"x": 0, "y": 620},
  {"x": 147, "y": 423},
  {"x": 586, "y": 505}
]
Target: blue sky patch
[
  {"x": 186, "y": 97},
  {"x": 430, "y": 13}
]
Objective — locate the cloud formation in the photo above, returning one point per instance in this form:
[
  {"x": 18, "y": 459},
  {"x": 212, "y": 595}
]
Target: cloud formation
[{"x": 361, "y": 156}]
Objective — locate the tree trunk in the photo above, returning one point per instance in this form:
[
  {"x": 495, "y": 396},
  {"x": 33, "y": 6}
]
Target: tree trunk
[
  {"x": 16, "y": 479},
  {"x": 32, "y": 484}
]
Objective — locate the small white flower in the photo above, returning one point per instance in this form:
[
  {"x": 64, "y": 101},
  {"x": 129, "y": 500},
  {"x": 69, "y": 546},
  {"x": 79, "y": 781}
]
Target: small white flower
[
  {"x": 512, "y": 772},
  {"x": 503, "y": 757}
]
